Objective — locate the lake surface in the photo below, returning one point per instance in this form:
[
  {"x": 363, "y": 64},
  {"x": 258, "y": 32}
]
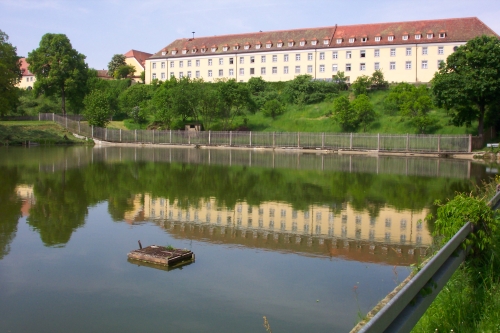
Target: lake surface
[{"x": 310, "y": 241}]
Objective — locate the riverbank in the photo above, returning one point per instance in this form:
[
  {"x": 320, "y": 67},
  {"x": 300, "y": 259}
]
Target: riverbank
[{"x": 17, "y": 133}]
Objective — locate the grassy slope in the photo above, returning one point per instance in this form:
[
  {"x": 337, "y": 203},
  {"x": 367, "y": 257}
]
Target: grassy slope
[{"x": 43, "y": 132}]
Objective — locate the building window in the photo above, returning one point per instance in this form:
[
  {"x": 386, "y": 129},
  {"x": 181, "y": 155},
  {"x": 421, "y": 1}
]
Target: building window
[
  {"x": 297, "y": 57},
  {"x": 377, "y": 66},
  {"x": 347, "y": 67},
  {"x": 424, "y": 64},
  {"x": 268, "y": 45},
  {"x": 290, "y": 43},
  {"x": 441, "y": 50},
  {"x": 231, "y": 72},
  {"x": 275, "y": 58},
  {"x": 351, "y": 40},
  {"x": 405, "y": 37},
  {"x": 221, "y": 72},
  {"x": 362, "y": 53},
  {"x": 275, "y": 70},
  {"x": 376, "y": 53},
  {"x": 171, "y": 64},
  {"x": 390, "y": 38},
  {"x": 225, "y": 48},
  {"x": 442, "y": 34},
  {"x": 393, "y": 52},
  {"x": 326, "y": 41},
  {"x": 162, "y": 76},
  {"x": 309, "y": 56},
  {"x": 209, "y": 62},
  {"x": 364, "y": 39},
  {"x": 302, "y": 43},
  {"x": 263, "y": 59},
  {"x": 418, "y": 36},
  {"x": 242, "y": 71},
  {"x": 297, "y": 69},
  {"x": 408, "y": 65},
  {"x": 321, "y": 68},
  {"x": 362, "y": 66},
  {"x": 424, "y": 50},
  {"x": 377, "y": 38},
  {"x": 172, "y": 74},
  {"x": 197, "y": 63},
  {"x": 263, "y": 71},
  {"x": 231, "y": 61},
  {"x": 154, "y": 76},
  {"x": 279, "y": 44},
  {"x": 348, "y": 54},
  {"x": 163, "y": 65},
  {"x": 285, "y": 70},
  {"x": 309, "y": 68},
  {"x": 335, "y": 68},
  {"x": 257, "y": 46},
  {"x": 209, "y": 73},
  {"x": 154, "y": 65},
  {"x": 197, "y": 73},
  {"x": 408, "y": 51},
  {"x": 314, "y": 42},
  {"x": 322, "y": 56},
  {"x": 392, "y": 65},
  {"x": 429, "y": 36},
  {"x": 189, "y": 63},
  {"x": 221, "y": 61},
  {"x": 285, "y": 57},
  {"x": 339, "y": 40},
  {"x": 242, "y": 60},
  {"x": 181, "y": 63},
  {"x": 181, "y": 75},
  {"x": 335, "y": 55},
  {"x": 252, "y": 71},
  {"x": 189, "y": 74}
]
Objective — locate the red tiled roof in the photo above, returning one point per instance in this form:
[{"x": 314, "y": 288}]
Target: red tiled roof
[
  {"x": 24, "y": 67},
  {"x": 140, "y": 56},
  {"x": 457, "y": 30}
]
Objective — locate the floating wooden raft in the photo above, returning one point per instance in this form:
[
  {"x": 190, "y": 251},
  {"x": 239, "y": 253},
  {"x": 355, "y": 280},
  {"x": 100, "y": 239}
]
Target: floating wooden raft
[{"x": 161, "y": 255}]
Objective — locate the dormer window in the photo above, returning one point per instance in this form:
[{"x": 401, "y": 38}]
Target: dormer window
[
  {"x": 225, "y": 48},
  {"x": 351, "y": 40},
  {"x": 257, "y": 46},
  {"x": 302, "y": 42},
  {"x": 184, "y": 51},
  {"x": 194, "y": 50},
  {"x": 430, "y": 35},
  {"x": 339, "y": 40},
  {"x": 378, "y": 38},
  {"x": 364, "y": 39},
  {"x": 214, "y": 48},
  {"x": 269, "y": 44},
  {"x": 442, "y": 34},
  {"x": 174, "y": 52},
  {"x": 279, "y": 44},
  {"x": 405, "y": 37},
  {"x": 314, "y": 42},
  {"x": 290, "y": 43},
  {"x": 163, "y": 53},
  {"x": 236, "y": 47},
  {"x": 326, "y": 41},
  {"x": 390, "y": 38},
  {"x": 247, "y": 46},
  {"x": 418, "y": 36}
]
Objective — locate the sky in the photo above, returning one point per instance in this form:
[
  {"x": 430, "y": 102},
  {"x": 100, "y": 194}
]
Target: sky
[{"x": 101, "y": 28}]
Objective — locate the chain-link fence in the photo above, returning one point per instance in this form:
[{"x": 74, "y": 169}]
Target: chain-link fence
[{"x": 332, "y": 141}]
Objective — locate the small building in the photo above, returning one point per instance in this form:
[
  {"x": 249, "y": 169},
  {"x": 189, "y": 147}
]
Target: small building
[
  {"x": 193, "y": 127},
  {"x": 28, "y": 78},
  {"x": 138, "y": 60}
]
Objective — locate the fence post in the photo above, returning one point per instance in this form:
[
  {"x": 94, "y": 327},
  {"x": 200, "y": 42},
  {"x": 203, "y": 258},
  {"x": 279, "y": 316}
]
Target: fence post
[
  {"x": 378, "y": 141},
  {"x": 189, "y": 138},
  {"x": 209, "y": 132},
  {"x": 439, "y": 143},
  {"x": 407, "y": 141},
  {"x": 470, "y": 143},
  {"x": 106, "y": 135},
  {"x": 53, "y": 117},
  {"x": 274, "y": 139},
  {"x": 170, "y": 136},
  {"x": 135, "y": 134},
  {"x": 250, "y": 138},
  {"x": 153, "y": 136},
  {"x": 92, "y": 131},
  {"x": 323, "y": 140},
  {"x": 230, "y": 137},
  {"x": 350, "y": 142},
  {"x": 79, "y": 130},
  {"x": 298, "y": 139},
  {"x": 120, "y": 135},
  {"x": 66, "y": 116}
]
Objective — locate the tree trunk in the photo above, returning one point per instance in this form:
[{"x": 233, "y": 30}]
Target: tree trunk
[
  {"x": 63, "y": 102},
  {"x": 480, "y": 125}
]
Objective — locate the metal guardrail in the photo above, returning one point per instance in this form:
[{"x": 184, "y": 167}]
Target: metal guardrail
[{"x": 404, "y": 310}]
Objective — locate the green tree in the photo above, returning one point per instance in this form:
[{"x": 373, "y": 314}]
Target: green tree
[
  {"x": 233, "y": 99},
  {"x": 59, "y": 70},
  {"x": 361, "y": 84},
  {"x": 343, "y": 113},
  {"x": 469, "y": 82},
  {"x": 272, "y": 108},
  {"x": 364, "y": 111},
  {"x": 136, "y": 95},
  {"x": 341, "y": 80},
  {"x": 123, "y": 72},
  {"x": 117, "y": 61},
  {"x": 97, "y": 108},
  {"x": 378, "y": 81},
  {"x": 10, "y": 75}
]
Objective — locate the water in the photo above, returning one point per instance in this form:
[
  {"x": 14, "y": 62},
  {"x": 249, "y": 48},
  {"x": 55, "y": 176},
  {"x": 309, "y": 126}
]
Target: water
[{"x": 302, "y": 239}]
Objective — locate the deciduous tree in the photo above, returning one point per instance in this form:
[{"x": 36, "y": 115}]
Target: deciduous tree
[
  {"x": 469, "y": 82},
  {"x": 10, "y": 75},
  {"x": 364, "y": 111},
  {"x": 343, "y": 113},
  {"x": 117, "y": 61},
  {"x": 97, "y": 110},
  {"x": 59, "y": 70}
]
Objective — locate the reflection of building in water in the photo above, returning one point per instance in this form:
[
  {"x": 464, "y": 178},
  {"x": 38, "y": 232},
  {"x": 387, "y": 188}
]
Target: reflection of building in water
[
  {"x": 135, "y": 215},
  {"x": 390, "y": 226},
  {"x": 25, "y": 193}
]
